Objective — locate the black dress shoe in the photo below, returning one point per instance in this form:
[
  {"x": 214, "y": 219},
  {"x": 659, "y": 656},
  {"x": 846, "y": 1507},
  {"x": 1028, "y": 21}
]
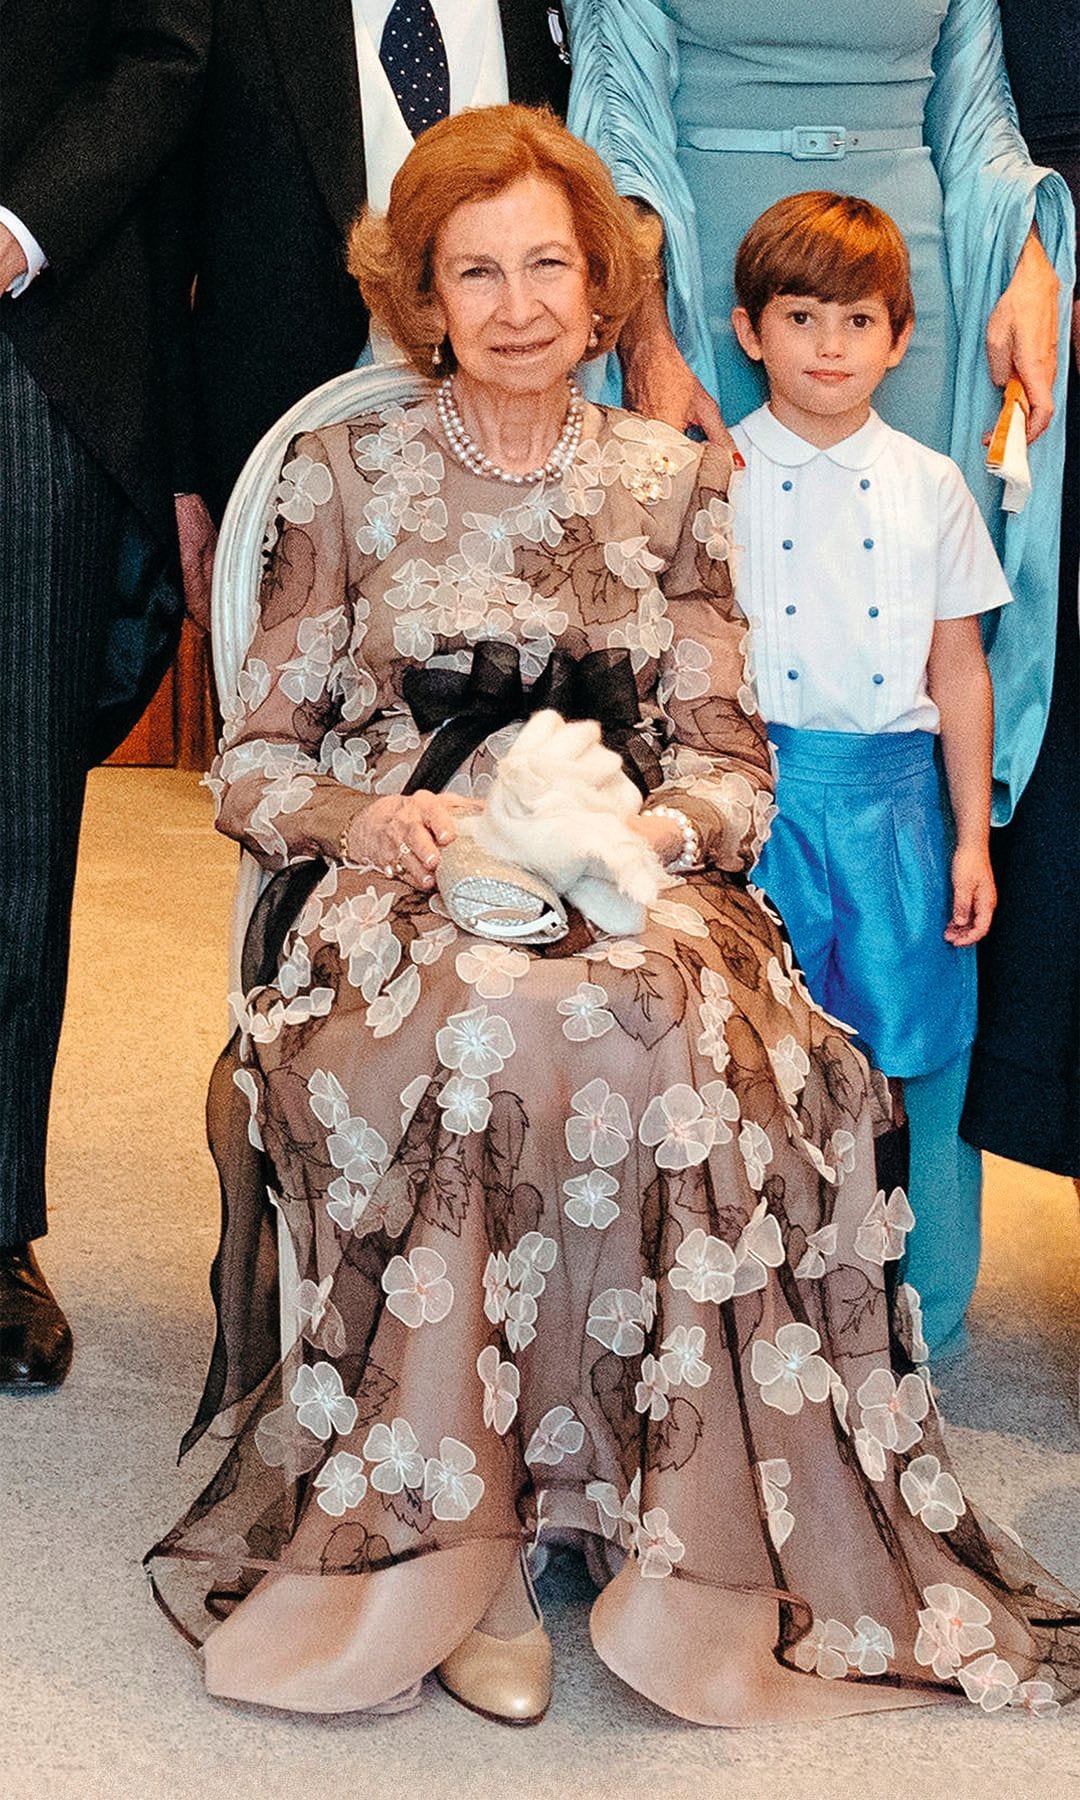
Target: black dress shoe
[{"x": 35, "y": 1337}]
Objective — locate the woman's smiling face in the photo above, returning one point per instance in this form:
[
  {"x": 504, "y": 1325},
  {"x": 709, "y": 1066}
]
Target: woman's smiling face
[{"x": 511, "y": 286}]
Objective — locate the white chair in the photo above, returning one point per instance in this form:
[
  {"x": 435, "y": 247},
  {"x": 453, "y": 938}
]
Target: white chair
[{"x": 238, "y": 569}]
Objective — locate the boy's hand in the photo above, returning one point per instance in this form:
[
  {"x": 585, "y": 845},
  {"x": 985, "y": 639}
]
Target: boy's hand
[{"x": 974, "y": 896}]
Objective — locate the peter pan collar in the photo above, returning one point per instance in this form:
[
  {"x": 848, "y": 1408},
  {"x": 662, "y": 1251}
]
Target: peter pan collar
[{"x": 782, "y": 446}]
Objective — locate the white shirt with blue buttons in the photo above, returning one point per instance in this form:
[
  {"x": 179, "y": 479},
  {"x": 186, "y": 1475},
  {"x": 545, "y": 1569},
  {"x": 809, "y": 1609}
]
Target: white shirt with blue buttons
[{"x": 847, "y": 558}]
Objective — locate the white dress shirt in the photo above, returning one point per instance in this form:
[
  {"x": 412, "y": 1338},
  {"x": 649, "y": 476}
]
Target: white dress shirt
[
  {"x": 31, "y": 249},
  {"x": 847, "y": 558},
  {"x": 472, "y": 33}
]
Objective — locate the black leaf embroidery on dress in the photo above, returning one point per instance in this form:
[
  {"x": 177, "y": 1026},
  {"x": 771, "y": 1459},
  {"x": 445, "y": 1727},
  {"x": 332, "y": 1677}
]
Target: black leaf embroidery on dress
[
  {"x": 648, "y": 1001},
  {"x": 614, "y": 1385},
  {"x": 352, "y": 1550},
  {"x": 674, "y": 1438}
]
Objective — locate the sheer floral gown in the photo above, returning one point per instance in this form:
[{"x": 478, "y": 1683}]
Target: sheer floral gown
[{"x": 588, "y": 1238}]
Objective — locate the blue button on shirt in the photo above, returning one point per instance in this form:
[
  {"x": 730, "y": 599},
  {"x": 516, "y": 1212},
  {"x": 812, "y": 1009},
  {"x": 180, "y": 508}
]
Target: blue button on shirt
[
  {"x": 868, "y": 543},
  {"x": 878, "y": 679},
  {"x": 873, "y": 611},
  {"x": 789, "y": 610},
  {"x": 786, "y": 485},
  {"x": 787, "y": 544}
]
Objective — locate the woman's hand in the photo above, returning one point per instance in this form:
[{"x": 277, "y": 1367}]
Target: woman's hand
[
  {"x": 660, "y": 833},
  {"x": 657, "y": 381},
  {"x": 403, "y": 834},
  {"x": 1022, "y": 334}
]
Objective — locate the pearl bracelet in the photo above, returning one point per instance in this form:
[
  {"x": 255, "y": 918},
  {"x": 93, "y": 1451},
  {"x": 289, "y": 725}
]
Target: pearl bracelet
[
  {"x": 343, "y": 843},
  {"x": 689, "y": 856}
]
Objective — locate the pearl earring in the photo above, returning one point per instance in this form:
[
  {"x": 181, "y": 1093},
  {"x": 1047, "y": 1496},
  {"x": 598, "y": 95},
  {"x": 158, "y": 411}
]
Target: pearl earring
[
  {"x": 594, "y": 335},
  {"x": 436, "y": 357}
]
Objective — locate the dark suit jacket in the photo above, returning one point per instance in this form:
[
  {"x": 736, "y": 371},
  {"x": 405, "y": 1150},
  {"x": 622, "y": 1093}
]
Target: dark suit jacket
[
  {"x": 95, "y": 96},
  {"x": 1042, "y": 54},
  {"x": 276, "y": 178}
]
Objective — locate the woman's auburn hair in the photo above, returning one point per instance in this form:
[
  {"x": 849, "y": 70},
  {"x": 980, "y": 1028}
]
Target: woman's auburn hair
[
  {"x": 833, "y": 247},
  {"x": 475, "y": 155}
]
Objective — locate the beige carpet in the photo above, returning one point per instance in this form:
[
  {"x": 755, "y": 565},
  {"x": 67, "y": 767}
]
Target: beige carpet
[{"x": 99, "y": 1700}]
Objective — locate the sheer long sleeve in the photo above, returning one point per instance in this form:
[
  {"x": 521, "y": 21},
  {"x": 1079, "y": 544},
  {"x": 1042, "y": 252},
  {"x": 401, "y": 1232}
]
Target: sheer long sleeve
[
  {"x": 994, "y": 193},
  {"x": 301, "y": 678},
  {"x": 717, "y": 765},
  {"x": 625, "y": 69}
]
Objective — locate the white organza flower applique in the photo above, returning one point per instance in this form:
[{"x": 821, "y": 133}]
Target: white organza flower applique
[
  {"x": 953, "y": 1624},
  {"x": 682, "y": 1358},
  {"x": 652, "y": 453},
  {"x": 820, "y": 1245},
  {"x": 658, "y": 1549},
  {"x": 600, "y": 1130},
  {"x": 502, "y": 1385},
  {"x": 893, "y": 1411},
  {"x": 759, "y": 1249},
  {"x": 417, "y": 1290},
  {"x": 650, "y": 1393},
  {"x": 677, "y": 1124},
  {"x": 450, "y": 1485},
  {"x": 791, "y": 1066},
  {"x": 475, "y": 1042},
  {"x": 686, "y": 673},
  {"x": 704, "y": 1268},
  {"x": 712, "y": 527},
  {"x": 322, "y": 1405},
  {"x": 558, "y": 1435},
  {"x": 304, "y": 485},
  {"x": 465, "y": 1104},
  {"x": 586, "y": 1013},
  {"x": 395, "y": 1453},
  {"x": 757, "y": 1153},
  {"x": 932, "y": 1494},
  {"x": 882, "y": 1234},
  {"x": 775, "y": 1478},
  {"x": 532, "y": 1258},
  {"x": 491, "y": 968},
  {"x": 789, "y": 1370},
  {"x": 825, "y": 1649},
  {"x": 615, "y": 1320},
  {"x": 591, "y": 1199},
  {"x": 343, "y": 1483},
  {"x": 989, "y": 1681},
  {"x": 617, "y": 1516}
]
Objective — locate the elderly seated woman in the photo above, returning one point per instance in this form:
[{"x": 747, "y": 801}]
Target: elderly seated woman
[{"x": 588, "y": 1232}]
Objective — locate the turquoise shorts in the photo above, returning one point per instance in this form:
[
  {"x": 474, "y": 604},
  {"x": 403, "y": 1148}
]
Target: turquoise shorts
[{"x": 857, "y": 864}]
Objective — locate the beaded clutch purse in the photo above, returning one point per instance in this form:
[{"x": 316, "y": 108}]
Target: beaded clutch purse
[{"x": 494, "y": 899}]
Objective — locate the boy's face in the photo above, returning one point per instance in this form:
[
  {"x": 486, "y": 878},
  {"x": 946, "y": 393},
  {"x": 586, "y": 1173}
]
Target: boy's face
[{"x": 824, "y": 358}]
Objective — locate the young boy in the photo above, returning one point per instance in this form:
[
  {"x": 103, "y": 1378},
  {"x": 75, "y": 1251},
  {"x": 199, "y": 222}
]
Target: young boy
[{"x": 865, "y": 567}]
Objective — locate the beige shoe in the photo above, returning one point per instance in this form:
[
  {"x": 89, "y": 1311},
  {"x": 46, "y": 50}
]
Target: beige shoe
[{"x": 505, "y": 1679}]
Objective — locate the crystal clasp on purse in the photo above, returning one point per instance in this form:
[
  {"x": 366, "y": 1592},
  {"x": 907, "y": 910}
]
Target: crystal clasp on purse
[{"x": 494, "y": 899}]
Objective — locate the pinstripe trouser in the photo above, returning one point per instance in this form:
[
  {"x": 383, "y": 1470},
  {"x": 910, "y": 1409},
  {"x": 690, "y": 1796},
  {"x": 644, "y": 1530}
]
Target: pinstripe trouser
[{"x": 60, "y": 516}]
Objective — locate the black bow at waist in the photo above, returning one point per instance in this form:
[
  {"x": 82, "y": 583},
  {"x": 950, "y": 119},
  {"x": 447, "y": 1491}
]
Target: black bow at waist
[{"x": 469, "y": 706}]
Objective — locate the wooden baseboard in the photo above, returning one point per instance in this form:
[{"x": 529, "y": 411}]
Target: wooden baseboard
[{"x": 178, "y": 729}]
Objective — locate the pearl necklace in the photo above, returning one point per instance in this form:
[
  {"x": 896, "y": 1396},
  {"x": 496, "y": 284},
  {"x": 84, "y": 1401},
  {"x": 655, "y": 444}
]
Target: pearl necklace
[{"x": 470, "y": 455}]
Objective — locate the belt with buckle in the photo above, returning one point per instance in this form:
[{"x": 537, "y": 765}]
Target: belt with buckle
[{"x": 803, "y": 143}]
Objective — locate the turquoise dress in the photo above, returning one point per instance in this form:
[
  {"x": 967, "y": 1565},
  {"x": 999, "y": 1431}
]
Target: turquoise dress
[
  {"x": 649, "y": 78},
  {"x": 652, "y": 86}
]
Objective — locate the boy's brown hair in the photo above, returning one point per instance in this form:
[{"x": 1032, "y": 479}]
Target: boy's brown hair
[{"x": 828, "y": 246}]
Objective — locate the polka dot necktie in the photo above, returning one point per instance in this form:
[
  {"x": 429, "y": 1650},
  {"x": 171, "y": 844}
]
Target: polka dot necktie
[{"x": 414, "y": 56}]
